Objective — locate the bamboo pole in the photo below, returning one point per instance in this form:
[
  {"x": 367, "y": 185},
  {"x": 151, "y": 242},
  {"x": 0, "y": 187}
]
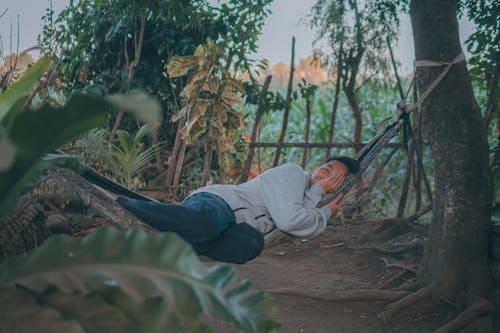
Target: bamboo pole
[
  {"x": 308, "y": 128},
  {"x": 255, "y": 129},
  {"x": 207, "y": 160},
  {"x": 331, "y": 129},
  {"x": 287, "y": 107},
  {"x": 406, "y": 181},
  {"x": 317, "y": 145}
]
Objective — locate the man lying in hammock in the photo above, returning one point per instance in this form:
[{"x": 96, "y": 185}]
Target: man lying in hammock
[{"x": 228, "y": 222}]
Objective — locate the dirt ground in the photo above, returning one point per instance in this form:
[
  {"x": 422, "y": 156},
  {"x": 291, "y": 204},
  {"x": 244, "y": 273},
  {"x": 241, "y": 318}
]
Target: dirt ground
[{"x": 338, "y": 259}]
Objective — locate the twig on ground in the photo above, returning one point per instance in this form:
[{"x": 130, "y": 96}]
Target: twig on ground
[
  {"x": 331, "y": 246},
  {"x": 344, "y": 295},
  {"x": 399, "y": 265},
  {"x": 447, "y": 301},
  {"x": 397, "y": 276},
  {"x": 403, "y": 248}
]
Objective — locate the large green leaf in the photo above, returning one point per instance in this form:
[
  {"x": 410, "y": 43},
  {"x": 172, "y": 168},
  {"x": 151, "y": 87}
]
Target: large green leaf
[
  {"x": 32, "y": 134},
  {"x": 29, "y": 179},
  {"x": 19, "y": 91},
  {"x": 156, "y": 279},
  {"x": 35, "y": 133}
]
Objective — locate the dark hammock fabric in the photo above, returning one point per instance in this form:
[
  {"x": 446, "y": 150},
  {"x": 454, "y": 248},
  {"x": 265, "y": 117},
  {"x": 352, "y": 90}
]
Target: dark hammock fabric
[{"x": 95, "y": 178}]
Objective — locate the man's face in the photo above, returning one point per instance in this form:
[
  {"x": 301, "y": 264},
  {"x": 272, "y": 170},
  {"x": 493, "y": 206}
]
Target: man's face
[{"x": 328, "y": 170}]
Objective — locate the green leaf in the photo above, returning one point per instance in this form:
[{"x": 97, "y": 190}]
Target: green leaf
[
  {"x": 143, "y": 106},
  {"x": 19, "y": 91},
  {"x": 23, "y": 182},
  {"x": 134, "y": 267},
  {"x": 7, "y": 154},
  {"x": 35, "y": 133}
]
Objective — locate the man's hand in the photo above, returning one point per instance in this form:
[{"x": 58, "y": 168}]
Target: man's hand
[
  {"x": 335, "y": 204},
  {"x": 333, "y": 182}
]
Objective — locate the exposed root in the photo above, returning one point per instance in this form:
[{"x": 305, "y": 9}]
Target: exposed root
[
  {"x": 480, "y": 308},
  {"x": 396, "y": 250},
  {"x": 393, "y": 308},
  {"x": 395, "y": 277},
  {"x": 399, "y": 265},
  {"x": 411, "y": 285},
  {"x": 344, "y": 295},
  {"x": 392, "y": 227}
]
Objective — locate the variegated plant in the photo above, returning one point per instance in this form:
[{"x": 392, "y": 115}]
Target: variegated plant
[{"x": 210, "y": 96}]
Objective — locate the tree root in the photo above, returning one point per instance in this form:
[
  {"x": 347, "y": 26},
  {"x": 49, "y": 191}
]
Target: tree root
[
  {"x": 392, "y": 227},
  {"x": 396, "y": 250},
  {"x": 342, "y": 296},
  {"x": 399, "y": 265},
  {"x": 480, "y": 308},
  {"x": 393, "y": 308},
  {"x": 395, "y": 277}
]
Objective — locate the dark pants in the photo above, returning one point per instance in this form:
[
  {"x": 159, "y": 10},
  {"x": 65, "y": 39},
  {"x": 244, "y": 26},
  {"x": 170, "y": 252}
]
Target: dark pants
[{"x": 206, "y": 222}]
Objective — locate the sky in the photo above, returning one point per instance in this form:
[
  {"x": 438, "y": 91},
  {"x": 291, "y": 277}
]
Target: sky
[{"x": 274, "y": 44}]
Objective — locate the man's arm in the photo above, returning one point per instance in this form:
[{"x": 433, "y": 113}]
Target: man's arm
[{"x": 283, "y": 191}]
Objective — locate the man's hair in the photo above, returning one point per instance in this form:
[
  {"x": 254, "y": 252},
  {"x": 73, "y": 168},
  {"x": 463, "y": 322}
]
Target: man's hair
[{"x": 351, "y": 163}]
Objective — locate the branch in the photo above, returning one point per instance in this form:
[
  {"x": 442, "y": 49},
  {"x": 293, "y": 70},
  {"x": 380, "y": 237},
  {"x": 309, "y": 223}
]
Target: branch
[
  {"x": 131, "y": 69},
  {"x": 344, "y": 295},
  {"x": 3, "y": 13}
]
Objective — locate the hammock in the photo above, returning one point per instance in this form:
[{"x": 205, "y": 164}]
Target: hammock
[{"x": 365, "y": 156}]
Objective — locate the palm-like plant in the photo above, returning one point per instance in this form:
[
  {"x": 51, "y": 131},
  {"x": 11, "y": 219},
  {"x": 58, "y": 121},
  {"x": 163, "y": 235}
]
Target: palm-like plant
[{"x": 129, "y": 158}]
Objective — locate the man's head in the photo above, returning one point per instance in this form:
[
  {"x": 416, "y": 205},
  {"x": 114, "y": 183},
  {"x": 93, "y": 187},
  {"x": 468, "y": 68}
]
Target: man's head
[
  {"x": 334, "y": 166},
  {"x": 352, "y": 164}
]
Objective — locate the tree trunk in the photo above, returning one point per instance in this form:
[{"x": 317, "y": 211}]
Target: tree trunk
[
  {"x": 40, "y": 213},
  {"x": 456, "y": 256},
  {"x": 356, "y": 111}
]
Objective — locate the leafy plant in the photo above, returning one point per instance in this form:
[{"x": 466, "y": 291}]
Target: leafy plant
[
  {"x": 210, "y": 95},
  {"x": 108, "y": 281},
  {"x": 27, "y": 136},
  {"x": 129, "y": 159},
  {"x": 111, "y": 281}
]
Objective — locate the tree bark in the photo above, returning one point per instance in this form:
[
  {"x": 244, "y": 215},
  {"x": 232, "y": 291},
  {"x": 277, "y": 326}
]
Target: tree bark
[
  {"x": 455, "y": 257},
  {"x": 39, "y": 214}
]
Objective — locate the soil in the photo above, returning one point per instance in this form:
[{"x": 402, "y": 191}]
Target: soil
[{"x": 338, "y": 259}]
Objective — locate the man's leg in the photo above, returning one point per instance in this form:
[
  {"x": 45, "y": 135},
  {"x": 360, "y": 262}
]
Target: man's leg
[
  {"x": 238, "y": 244},
  {"x": 198, "y": 220}
]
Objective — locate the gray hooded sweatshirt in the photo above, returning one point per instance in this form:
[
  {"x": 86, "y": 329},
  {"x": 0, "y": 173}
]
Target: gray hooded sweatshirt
[{"x": 279, "y": 198}]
